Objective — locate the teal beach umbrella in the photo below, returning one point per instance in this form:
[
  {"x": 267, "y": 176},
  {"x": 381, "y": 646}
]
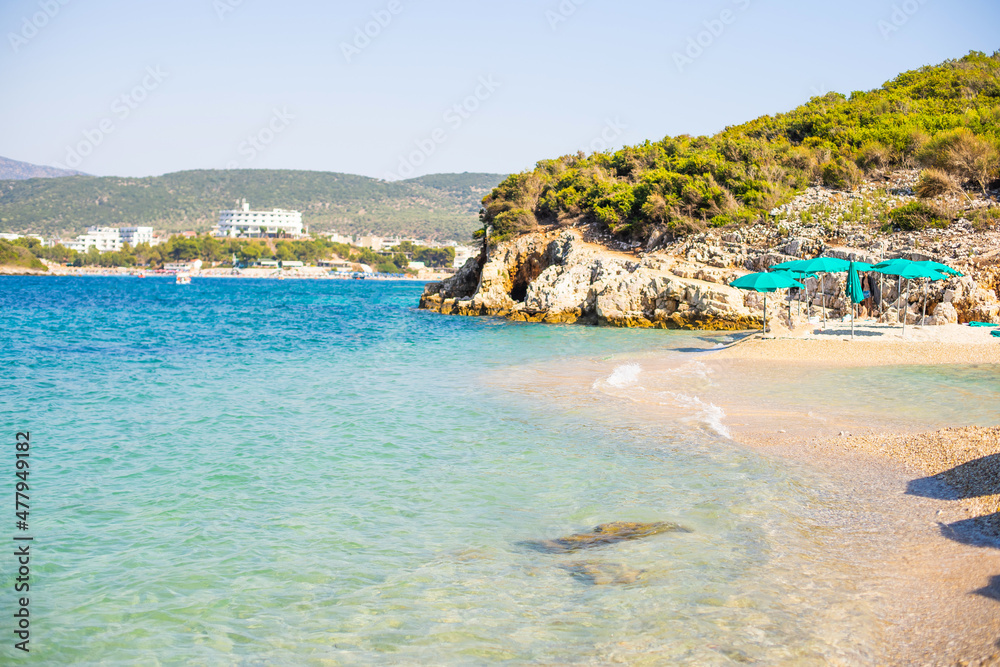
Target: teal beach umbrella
[
  {"x": 795, "y": 267},
  {"x": 943, "y": 268},
  {"x": 854, "y": 291},
  {"x": 897, "y": 263},
  {"x": 765, "y": 282},
  {"x": 825, "y": 265},
  {"x": 910, "y": 270}
]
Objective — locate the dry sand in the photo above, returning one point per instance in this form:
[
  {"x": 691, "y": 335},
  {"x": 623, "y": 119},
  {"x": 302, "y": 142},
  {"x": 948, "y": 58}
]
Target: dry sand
[{"x": 874, "y": 345}]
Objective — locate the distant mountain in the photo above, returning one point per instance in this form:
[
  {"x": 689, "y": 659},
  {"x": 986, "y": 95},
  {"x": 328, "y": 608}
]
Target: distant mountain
[
  {"x": 14, "y": 170},
  {"x": 435, "y": 207}
]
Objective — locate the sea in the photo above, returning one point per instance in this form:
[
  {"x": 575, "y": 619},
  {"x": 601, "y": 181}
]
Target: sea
[{"x": 259, "y": 472}]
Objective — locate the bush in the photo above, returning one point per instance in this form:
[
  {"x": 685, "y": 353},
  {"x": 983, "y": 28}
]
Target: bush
[
  {"x": 873, "y": 156},
  {"x": 963, "y": 155},
  {"x": 935, "y": 182},
  {"x": 16, "y": 255},
  {"x": 915, "y": 216},
  {"x": 685, "y": 226},
  {"x": 984, "y": 219},
  {"x": 512, "y": 222},
  {"x": 842, "y": 174}
]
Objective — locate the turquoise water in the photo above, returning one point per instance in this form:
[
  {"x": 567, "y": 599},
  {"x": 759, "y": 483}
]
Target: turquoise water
[{"x": 295, "y": 473}]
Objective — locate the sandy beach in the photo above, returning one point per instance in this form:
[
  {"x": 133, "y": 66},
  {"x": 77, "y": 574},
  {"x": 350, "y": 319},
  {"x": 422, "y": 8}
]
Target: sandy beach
[
  {"x": 941, "y": 584},
  {"x": 873, "y": 345}
]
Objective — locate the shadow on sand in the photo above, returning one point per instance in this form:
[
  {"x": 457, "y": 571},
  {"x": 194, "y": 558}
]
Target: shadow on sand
[
  {"x": 978, "y": 531},
  {"x": 840, "y": 331},
  {"x": 972, "y": 479},
  {"x": 990, "y": 590}
]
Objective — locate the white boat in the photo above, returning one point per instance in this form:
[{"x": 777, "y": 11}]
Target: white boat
[{"x": 183, "y": 279}]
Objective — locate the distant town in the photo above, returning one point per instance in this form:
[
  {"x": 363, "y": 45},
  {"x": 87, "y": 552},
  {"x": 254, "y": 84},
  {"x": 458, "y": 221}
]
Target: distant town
[{"x": 245, "y": 239}]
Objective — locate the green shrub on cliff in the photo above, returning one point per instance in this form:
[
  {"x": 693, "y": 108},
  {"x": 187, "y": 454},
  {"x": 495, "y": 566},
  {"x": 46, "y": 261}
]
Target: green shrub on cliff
[
  {"x": 944, "y": 116},
  {"x": 915, "y": 216},
  {"x": 19, "y": 256}
]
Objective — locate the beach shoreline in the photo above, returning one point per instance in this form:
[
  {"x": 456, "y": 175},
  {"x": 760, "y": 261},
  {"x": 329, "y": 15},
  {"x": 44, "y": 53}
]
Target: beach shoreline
[
  {"x": 941, "y": 586},
  {"x": 308, "y": 273}
]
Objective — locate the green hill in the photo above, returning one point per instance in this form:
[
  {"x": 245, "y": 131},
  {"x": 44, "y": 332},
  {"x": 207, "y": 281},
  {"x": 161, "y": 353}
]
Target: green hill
[
  {"x": 437, "y": 207},
  {"x": 944, "y": 118}
]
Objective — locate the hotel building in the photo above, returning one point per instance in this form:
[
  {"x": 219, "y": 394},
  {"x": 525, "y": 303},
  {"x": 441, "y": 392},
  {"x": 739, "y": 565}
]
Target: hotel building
[
  {"x": 244, "y": 223},
  {"x": 111, "y": 239}
]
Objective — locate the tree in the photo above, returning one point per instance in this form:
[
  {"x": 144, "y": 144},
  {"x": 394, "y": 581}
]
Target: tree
[
  {"x": 183, "y": 249},
  {"x": 435, "y": 256},
  {"x": 250, "y": 252},
  {"x": 283, "y": 252}
]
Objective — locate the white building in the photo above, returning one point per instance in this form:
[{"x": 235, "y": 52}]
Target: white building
[
  {"x": 110, "y": 239},
  {"x": 136, "y": 235},
  {"x": 339, "y": 238},
  {"x": 370, "y": 242},
  {"x": 105, "y": 239},
  {"x": 245, "y": 223},
  {"x": 462, "y": 255}
]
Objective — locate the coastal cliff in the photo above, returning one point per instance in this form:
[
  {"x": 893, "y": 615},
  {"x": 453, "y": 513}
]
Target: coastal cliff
[
  {"x": 574, "y": 273},
  {"x": 557, "y": 277}
]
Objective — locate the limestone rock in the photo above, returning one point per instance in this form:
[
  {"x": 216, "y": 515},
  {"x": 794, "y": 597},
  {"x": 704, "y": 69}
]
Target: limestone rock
[
  {"x": 606, "y": 533},
  {"x": 602, "y": 574},
  {"x": 945, "y": 313}
]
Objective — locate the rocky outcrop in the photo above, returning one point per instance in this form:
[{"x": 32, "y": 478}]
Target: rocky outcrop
[{"x": 559, "y": 278}]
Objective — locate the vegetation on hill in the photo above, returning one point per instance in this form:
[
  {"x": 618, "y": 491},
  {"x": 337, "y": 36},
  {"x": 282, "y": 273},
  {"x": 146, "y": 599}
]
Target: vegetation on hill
[
  {"x": 945, "y": 118},
  {"x": 12, "y": 254},
  {"x": 438, "y": 207}
]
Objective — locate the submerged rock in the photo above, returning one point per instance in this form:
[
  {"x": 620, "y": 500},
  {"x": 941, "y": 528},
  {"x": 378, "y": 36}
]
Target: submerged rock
[
  {"x": 602, "y": 574},
  {"x": 606, "y": 533}
]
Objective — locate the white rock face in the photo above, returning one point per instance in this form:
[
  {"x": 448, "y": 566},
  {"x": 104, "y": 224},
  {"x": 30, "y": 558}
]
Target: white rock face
[
  {"x": 945, "y": 313},
  {"x": 556, "y": 277}
]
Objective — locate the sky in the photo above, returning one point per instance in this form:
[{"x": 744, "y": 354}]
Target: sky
[{"x": 401, "y": 88}]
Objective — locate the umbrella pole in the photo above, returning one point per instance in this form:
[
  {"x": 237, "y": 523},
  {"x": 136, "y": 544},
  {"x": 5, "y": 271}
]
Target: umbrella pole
[
  {"x": 923, "y": 315},
  {"x": 823, "y": 301},
  {"x": 764, "y": 330},
  {"x": 906, "y": 306},
  {"x": 899, "y": 293},
  {"x": 852, "y": 320},
  {"x": 879, "y": 294}
]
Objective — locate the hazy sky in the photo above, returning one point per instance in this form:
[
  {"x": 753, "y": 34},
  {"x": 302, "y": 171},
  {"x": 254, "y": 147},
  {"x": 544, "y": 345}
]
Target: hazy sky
[{"x": 119, "y": 87}]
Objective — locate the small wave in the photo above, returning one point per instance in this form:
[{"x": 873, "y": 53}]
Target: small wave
[
  {"x": 708, "y": 413},
  {"x": 623, "y": 376},
  {"x": 691, "y": 369}
]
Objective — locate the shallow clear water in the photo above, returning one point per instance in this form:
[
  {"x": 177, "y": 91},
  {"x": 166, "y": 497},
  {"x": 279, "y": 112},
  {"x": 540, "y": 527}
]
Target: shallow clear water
[{"x": 260, "y": 472}]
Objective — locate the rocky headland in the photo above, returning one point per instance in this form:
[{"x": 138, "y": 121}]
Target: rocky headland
[{"x": 575, "y": 272}]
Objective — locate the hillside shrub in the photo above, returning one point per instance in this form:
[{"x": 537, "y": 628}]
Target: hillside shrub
[
  {"x": 934, "y": 183},
  {"x": 915, "y": 216}
]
